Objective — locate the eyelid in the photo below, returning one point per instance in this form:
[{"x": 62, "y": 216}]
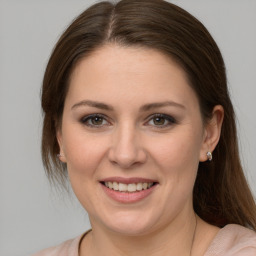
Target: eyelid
[
  {"x": 171, "y": 120},
  {"x": 85, "y": 119}
]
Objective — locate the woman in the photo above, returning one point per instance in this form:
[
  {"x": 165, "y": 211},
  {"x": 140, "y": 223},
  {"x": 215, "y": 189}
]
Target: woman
[{"x": 138, "y": 112}]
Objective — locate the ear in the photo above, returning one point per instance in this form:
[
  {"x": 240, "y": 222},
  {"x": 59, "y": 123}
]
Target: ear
[
  {"x": 59, "y": 139},
  {"x": 212, "y": 132}
]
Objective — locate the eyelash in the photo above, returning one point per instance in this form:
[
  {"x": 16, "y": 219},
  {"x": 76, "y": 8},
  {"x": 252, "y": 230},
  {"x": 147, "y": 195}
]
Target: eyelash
[
  {"x": 85, "y": 120},
  {"x": 167, "y": 118}
]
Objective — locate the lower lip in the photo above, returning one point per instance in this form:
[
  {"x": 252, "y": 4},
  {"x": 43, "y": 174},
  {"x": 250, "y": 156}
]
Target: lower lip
[{"x": 128, "y": 197}]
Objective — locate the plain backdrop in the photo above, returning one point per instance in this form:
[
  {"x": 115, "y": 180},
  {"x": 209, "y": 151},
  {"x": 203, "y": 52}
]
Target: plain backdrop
[{"x": 32, "y": 215}]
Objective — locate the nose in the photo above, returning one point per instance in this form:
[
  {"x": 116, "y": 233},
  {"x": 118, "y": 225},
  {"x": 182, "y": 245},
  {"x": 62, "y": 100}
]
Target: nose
[{"x": 126, "y": 149}]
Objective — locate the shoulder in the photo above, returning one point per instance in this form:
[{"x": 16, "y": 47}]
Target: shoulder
[
  {"x": 67, "y": 248},
  {"x": 233, "y": 240}
]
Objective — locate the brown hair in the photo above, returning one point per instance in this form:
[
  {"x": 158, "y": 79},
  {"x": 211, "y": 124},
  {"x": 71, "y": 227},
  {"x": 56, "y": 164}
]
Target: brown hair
[{"x": 221, "y": 193}]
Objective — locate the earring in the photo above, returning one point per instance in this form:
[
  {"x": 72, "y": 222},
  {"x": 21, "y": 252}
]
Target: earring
[
  {"x": 59, "y": 155},
  {"x": 209, "y": 155}
]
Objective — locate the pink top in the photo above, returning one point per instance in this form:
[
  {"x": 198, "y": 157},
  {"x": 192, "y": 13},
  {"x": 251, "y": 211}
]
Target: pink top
[{"x": 232, "y": 240}]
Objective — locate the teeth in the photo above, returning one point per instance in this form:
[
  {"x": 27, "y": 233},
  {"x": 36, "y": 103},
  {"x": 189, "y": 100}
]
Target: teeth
[
  {"x": 115, "y": 185},
  {"x": 131, "y": 187},
  {"x": 139, "y": 186},
  {"x": 128, "y": 187},
  {"x": 110, "y": 184},
  {"x": 145, "y": 185},
  {"x": 122, "y": 187}
]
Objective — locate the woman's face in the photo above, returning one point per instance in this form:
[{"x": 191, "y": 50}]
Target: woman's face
[{"x": 132, "y": 137}]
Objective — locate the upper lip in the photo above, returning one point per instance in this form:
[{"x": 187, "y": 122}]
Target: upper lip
[{"x": 128, "y": 180}]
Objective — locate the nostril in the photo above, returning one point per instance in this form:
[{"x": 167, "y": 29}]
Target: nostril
[{"x": 126, "y": 158}]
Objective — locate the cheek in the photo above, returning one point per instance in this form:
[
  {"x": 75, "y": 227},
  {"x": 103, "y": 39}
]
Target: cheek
[
  {"x": 177, "y": 150},
  {"x": 177, "y": 158},
  {"x": 83, "y": 153}
]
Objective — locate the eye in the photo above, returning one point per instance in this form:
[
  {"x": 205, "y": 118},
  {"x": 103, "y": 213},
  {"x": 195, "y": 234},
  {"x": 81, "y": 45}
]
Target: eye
[
  {"x": 161, "y": 120},
  {"x": 95, "y": 120}
]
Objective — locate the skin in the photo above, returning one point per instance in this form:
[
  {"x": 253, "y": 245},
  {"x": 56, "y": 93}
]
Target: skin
[{"x": 129, "y": 141}]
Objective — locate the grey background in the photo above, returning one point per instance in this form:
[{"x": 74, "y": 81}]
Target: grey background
[{"x": 32, "y": 215}]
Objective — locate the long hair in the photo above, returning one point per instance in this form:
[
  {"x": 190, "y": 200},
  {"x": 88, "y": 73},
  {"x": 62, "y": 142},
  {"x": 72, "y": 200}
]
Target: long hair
[{"x": 221, "y": 192}]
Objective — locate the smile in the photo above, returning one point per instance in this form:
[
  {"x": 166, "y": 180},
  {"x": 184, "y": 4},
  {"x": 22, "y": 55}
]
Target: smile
[
  {"x": 128, "y": 190},
  {"x": 132, "y": 187}
]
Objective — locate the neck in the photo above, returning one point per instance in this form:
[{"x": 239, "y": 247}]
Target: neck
[{"x": 174, "y": 239}]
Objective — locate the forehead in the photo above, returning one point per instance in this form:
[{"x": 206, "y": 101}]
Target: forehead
[
  {"x": 131, "y": 74},
  {"x": 116, "y": 60}
]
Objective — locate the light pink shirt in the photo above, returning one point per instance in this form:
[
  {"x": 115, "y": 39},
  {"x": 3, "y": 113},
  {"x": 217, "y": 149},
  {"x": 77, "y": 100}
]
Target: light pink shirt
[{"x": 232, "y": 240}]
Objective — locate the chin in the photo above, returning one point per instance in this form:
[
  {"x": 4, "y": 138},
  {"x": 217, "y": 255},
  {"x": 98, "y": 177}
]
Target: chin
[
  {"x": 130, "y": 224},
  {"x": 130, "y": 230}
]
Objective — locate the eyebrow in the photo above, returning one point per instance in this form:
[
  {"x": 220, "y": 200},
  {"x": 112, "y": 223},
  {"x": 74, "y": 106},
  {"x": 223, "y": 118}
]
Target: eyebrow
[
  {"x": 143, "y": 108},
  {"x": 150, "y": 106},
  {"x": 94, "y": 104}
]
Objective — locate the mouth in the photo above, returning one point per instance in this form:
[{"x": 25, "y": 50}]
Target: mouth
[
  {"x": 130, "y": 187},
  {"x": 128, "y": 190}
]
